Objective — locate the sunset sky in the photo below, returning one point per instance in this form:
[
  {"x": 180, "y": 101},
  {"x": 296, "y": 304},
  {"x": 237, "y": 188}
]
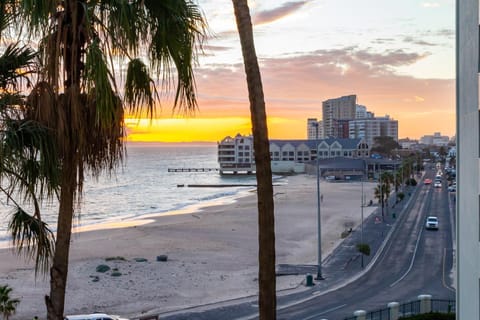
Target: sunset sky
[{"x": 398, "y": 57}]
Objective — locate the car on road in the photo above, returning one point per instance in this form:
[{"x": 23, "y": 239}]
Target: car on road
[
  {"x": 431, "y": 223},
  {"x": 427, "y": 181},
  {"x": 437, "y": 184},
  {"x": 94, "y": 316},
  {"x": 452, "y": 188}
]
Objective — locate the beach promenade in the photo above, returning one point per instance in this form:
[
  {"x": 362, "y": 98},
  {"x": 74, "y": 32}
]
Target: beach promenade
[{"x": 212, "y": 253}]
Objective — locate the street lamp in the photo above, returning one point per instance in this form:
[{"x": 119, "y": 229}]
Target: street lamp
[
  {"x": 319, "y": 223},
  {"x": 362, "y": 204}
]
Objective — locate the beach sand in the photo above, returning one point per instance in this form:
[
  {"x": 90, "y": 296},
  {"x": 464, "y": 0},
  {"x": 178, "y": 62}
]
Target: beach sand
[{"x": 212, "y": 253}]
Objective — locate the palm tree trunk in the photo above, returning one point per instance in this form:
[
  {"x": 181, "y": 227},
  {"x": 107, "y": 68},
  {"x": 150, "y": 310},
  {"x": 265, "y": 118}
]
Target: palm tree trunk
[
  {"x": 266, "y": 223},
  {"x": 68, "y": 183},
  {"x": 59, "y": 270}
]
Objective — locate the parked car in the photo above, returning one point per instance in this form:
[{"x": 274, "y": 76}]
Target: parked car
[
  {"x": 427, "y": 181},
  {"x": 437, "y": 184},
  {"x": 93, "y": 316},
  {"x": 452, "y": 188},
  {"x": 431, "y": 223}
]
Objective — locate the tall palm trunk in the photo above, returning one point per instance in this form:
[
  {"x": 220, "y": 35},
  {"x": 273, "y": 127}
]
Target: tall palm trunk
[
  {"x": 59, "y": 270},
  {"x": 73, "y": 65},
  {"x": 266, "y": 223}
]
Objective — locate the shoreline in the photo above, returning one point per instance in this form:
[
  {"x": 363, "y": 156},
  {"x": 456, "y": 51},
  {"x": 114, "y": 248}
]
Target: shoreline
[
  {"x": 212, "y": 252},
  {"x": 137, "y": 220}
]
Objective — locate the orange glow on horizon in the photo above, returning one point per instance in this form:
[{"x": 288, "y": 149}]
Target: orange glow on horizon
[{"x": 412, "y": 125}]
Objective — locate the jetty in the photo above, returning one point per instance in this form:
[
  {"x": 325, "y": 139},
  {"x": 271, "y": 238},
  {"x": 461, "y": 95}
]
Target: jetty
[{"x": 192, "y": 169}]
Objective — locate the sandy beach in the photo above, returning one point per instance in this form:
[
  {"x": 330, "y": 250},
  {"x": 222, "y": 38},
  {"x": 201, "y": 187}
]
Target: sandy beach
[{"x": 212, "y": 253}]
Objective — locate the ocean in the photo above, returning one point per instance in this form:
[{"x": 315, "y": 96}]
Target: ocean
[{"x": 143, "y": 186}]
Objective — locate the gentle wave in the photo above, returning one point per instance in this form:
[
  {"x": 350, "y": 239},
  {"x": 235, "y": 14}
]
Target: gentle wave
[{"x": 145, "y": 187}]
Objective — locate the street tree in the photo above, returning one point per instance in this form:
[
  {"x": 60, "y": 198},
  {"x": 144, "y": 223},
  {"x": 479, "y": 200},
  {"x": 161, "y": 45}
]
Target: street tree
[
  {"x": 85, "y": 47},
  {"x": 383, "y": 189},
  {"x": 266, "y": 223}
]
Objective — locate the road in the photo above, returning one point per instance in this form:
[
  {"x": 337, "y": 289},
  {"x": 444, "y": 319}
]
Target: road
[{"x": 414, "y": 261}]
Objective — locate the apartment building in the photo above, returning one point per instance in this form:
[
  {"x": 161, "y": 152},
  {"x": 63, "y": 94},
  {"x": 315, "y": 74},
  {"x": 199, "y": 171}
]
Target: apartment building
[
  {"x": 369, "y": 128},
  {"x": 314, "y": 126},
  {"x": 435, "y": 140},
  {"x": 337, "y": 109}
]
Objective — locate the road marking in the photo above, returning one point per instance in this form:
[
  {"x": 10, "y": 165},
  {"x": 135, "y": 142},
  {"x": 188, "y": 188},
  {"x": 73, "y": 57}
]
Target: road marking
[
  {"x": 411, "y": 262},
  {"x": 443, "y": 271},
  {"x": 326, "y": 311}
]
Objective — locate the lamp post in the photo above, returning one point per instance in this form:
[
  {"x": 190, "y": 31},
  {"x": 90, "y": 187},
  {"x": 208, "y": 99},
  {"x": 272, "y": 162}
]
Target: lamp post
[
  {"x": 319, "y": 223},
  {"x": 362, "y": 204}
]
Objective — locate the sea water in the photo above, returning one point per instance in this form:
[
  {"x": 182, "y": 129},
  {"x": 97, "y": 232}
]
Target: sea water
[{"x": 143, "y": 186}]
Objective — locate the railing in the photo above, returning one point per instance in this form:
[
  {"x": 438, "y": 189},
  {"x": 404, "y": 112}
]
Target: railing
[{"x": 394, "y": 311}]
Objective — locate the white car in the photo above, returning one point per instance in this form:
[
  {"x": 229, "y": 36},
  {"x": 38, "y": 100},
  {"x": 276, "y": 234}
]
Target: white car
[
  {"x": 94, "y": 316},
  {"x": 431, "y": 223},
  {"x": 437, "y": 184}
]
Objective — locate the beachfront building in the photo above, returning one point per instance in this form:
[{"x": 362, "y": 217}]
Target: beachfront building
[
  {"x": 369, "y": 128},
  {"x": 337, "y": 109},
  {"x": 235, "y": 155}
]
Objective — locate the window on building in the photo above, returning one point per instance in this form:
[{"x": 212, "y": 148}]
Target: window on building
[
  {"x": 276, "y": 153},
  {"x": 291, "y": 153},
  {"x": 247, "y": 147},
  {"x": 240, "y": 147},
  {"x": 284, "y": 153}
]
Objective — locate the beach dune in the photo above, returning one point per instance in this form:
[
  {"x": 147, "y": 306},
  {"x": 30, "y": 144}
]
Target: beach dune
[{"x": 212, "y": 252}]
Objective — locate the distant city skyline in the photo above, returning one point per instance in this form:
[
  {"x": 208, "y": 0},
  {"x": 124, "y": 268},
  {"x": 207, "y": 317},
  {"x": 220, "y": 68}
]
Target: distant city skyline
[{"x": 397, "y": 57}]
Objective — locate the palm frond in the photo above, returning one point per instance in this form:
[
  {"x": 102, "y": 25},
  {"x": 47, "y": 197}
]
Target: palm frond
[
  {"x": 124, "y": 22},
  {"x": 139, "y": 87},
  {"x": 32, "y": 237},
  {"x": 99, "y": 78},
  {"x": 36, "y": 13},
  {"x": 29, "y": 158},
  {"x": 8, "y": 305},
  {"x": 176, "y": 28},
  {"x": 15, "y": 64}
]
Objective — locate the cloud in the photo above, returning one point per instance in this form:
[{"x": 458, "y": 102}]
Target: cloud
[
  {"x": 268, "y": 16},
  {"x": 412, "y": 40},
  {"x": 296, "y": 85},
  {"x": 430, "y": 4}
]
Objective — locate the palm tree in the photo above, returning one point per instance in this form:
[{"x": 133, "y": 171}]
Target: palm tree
[
  {"x": 266, "y": 223},
  {"x": 8, "y": 305},
  {"x": 85, "y": 47},
  {"x": 382, "y": 190}
]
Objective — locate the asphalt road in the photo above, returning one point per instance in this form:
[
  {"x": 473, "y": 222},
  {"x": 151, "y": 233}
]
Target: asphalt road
[{"x": 413, "y": 261}]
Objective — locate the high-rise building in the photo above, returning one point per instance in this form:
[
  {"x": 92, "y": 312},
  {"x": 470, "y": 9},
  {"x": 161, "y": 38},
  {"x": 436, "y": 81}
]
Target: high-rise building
[
  {"x": 337, "y": 109},
  {"x": 360, "y": 112},
  {"x": 312, "y": 127},
  {"x": 369, "y": 128}
]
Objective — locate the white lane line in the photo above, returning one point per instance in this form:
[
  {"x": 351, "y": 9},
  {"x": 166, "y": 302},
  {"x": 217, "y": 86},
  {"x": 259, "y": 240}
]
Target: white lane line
[
  {"x": 443, "y": 271},
  {"x": 412, "y": 261},
  {"x": 325, "y": 311}
]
